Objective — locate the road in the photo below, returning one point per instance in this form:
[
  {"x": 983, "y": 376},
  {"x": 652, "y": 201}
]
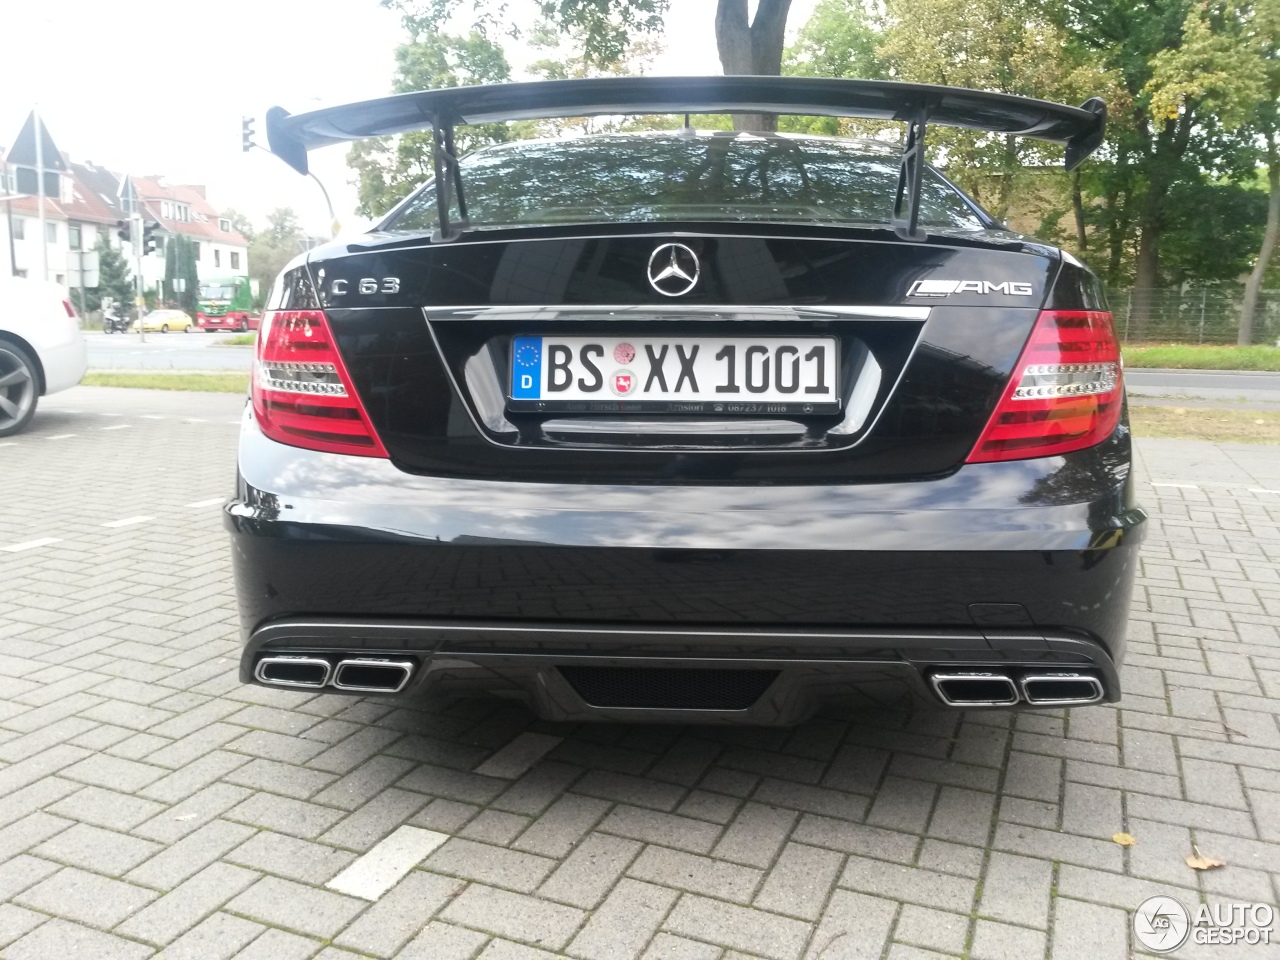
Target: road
[
  {"x": 165, "y": 351},
  {"x": 1229, "y": 387},
  {"x": 149, "y": 801}
]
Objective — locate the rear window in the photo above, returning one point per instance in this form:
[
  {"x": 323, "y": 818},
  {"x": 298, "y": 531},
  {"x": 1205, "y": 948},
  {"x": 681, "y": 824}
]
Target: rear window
[{"x": 737, "y": 177}]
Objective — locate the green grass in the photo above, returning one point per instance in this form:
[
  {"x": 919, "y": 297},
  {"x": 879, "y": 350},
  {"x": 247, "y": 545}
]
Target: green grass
[
  {"x": 207, "y": 382},
  {"x": 1178, "y": 356},
  {"x": 239, "y": 340}
]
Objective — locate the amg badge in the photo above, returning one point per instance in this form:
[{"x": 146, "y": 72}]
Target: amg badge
[{"x": 944, "y": 288}]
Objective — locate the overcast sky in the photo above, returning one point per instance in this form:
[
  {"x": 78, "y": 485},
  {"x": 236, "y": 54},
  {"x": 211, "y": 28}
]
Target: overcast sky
[{"x": 159, "y": 87}]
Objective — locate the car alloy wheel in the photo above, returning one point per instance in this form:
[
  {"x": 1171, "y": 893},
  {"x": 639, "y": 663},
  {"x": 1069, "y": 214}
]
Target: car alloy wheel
[
  {"x": 188, "y": 328},
  {"x": 164, "y": 328},
  {"x": 18, "y": 392}
]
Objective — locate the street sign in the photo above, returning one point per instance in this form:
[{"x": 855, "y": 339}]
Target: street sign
[
  {"x": 127, "y": 194},
  {"x": 82, "y": 269}
]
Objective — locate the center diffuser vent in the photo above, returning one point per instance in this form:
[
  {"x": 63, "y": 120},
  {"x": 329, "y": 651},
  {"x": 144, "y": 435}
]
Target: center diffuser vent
[{"x": 669, "y": 688}]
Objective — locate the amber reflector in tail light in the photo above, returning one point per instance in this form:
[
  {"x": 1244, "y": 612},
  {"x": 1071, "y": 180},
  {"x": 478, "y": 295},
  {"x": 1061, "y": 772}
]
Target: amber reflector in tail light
[
  {"x": 1065, "y": 391},
  {"x": 301, "y": 392}
]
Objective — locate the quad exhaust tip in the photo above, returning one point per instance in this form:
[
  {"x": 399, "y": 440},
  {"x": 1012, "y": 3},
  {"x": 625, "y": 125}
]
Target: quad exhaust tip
[
  {"x": 1060, "y": 689},
  {"x": 372, "y": 675},
  {"x": 310, "y": 673},
  {"x": 973, "y": 688},
  {"x": 980, "y": 688}
]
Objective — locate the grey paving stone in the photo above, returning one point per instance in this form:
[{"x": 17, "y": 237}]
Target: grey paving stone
[
  {"x": 189, "y": 855},
  {"x": 86, "y": 898},
  {"x": 763, "y": 934},
  {"x": 934, "y": 929},
  {"x": 400, "y": 914},
  {"x": 909, "y": 884},
  {"x": 192, "y": 813},
  {"x": 563, "y": 824},
  {"x": 443, "y": 941},
  {"x": 626, "y": 921},
  {"x": 489, "y": 864},
  {"x": 21, "y": 872},
  {"x": 709, "y": 876},
  {"x": 666, "y": 946},
  {"x": 588, "y": 873},
  {"x": 187, "y": 904},
  {"x": 374, "y": 820},
  {"x": 1086, "y": 930},
  {"x": 852, "y": 925},
  {"x": 284, "y": 778},
  {"x": 514, "y": 915},
  {"x": 15, "y": 922},
  {"x": 1017, "y": 889},
  {"x": 284, "y": 815},
  {"x": 964, "y": 816},
  {"x": 755, "y": 835},
  {"x": 96, "y": 849},
  {"x": 105, "y": 808},
  {"x": 667, "y": 829},
  {"x": 278, "y": 945},
  {"x": 800, "y": 881},
  {"x": 218, "y": 937},
  {"x": 58, "y": 939},
  {"x": 294, "y": 906},
  {"x": 289, "y": 857},
  {"x": 855, "y": 838},
  {"x": 1000, "y": 941}
]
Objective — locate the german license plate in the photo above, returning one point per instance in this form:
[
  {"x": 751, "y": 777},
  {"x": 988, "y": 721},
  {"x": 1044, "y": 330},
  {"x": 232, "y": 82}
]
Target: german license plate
[{"x": 699, "y": 375}]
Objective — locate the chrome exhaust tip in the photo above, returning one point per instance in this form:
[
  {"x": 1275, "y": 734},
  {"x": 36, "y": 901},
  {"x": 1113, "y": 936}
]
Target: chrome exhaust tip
[
  {"x": 372, "y": 675},
  {"x": 973, "y": 688},
  {"x": 1062, "y": 689},
  {"x": 306, "y": 673}
]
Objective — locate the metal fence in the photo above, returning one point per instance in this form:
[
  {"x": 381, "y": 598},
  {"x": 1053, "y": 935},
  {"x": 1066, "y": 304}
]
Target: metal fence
[{"x": 1195, "y": 316}]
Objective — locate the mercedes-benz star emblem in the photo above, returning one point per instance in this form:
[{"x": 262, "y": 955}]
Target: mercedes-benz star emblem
[{"x": 673, "y": 269}]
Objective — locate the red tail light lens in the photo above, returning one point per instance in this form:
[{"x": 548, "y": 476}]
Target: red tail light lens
[
  {"x": 1065, "y": 391},
  {"x": 71, "y": 311},
  {"x": 302, "y": 394}
]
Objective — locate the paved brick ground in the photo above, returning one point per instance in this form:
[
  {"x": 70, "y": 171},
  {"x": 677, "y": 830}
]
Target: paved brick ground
[{"x": 148, "y": 802}]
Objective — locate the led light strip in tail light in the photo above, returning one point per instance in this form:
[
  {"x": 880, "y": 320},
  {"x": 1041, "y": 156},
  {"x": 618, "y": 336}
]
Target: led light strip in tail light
[
  {"x": 302, "y": 394},
  {"x": 1065, "y": 393}
]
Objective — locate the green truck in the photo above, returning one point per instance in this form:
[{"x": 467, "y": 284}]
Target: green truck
[{"x": 226, "y": 304}]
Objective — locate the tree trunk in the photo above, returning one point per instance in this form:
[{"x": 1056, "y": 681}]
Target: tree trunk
[
  {"x": 1077, "y": 206},
  {"x": 1254, "y": 284},
  {"x": 753, "y": 47}
]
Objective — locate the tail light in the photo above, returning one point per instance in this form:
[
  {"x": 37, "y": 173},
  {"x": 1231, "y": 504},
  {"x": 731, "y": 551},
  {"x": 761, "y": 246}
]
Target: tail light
[
  {"x": 1065, "y": 391},
  {"x": 71, "y": 311},
  {"x": 302, "y": 394}
]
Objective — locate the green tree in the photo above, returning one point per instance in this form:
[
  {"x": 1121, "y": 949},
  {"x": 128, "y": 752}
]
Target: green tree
[
  {"x": 1267, "y": 125},
  {"x": 271, "y": 249},
  {"x": 114, "y": 279},
  {"x": 390, "y": 168},
  {"x": 840, "y": 39},
  {"x": 1188, "y": 78}
]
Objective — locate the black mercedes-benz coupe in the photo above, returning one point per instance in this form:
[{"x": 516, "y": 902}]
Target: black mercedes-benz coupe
[{"x": 688, "y": 426}]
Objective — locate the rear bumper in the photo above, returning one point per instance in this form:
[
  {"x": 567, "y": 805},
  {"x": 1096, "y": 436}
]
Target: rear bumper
[
  {"x": 788, "y": 673},
  {"x": 842, "y": 590}
]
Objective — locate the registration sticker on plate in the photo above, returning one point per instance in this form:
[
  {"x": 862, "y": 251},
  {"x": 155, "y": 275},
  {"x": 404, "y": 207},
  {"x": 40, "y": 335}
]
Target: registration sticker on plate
[{"x": 718, "y": 375}]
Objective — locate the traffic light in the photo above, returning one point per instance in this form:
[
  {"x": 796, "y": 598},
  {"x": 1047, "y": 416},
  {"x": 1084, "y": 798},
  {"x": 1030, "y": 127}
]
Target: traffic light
[
  {"x": 149, "y": 237},
  {"x": 122, "y": 230},
  {"x": 246, "y": 134}
]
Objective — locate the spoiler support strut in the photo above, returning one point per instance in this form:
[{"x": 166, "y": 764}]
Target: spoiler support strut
[{"x": 906, "y": 200}]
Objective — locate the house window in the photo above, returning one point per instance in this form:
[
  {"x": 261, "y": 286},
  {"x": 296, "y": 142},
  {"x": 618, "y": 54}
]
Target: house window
[
  {"x": 217, "y": 257},
  {"x": 73, "y": 237},
  {"x": 195, "y": 250},
  {"x": 235, "y": 260},
  {"x": 224, "y": 226},
  {"x": 59, "y": 278},
  {"x": 19, "y": 228},
  {"x": 51, "y": 232},
  {"x": 165, "y": 211}
]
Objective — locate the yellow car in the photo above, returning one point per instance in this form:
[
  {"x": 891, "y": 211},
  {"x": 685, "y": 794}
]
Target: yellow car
[{"x": 166, "y": 320}]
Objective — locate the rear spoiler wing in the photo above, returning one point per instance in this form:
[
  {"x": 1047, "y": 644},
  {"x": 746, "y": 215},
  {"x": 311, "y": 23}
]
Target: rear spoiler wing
[{"x": 1079, "y": 129}]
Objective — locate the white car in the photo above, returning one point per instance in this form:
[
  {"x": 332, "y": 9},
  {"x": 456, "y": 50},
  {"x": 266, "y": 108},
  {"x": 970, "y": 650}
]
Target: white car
[{"x": 41, "y": 348}]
